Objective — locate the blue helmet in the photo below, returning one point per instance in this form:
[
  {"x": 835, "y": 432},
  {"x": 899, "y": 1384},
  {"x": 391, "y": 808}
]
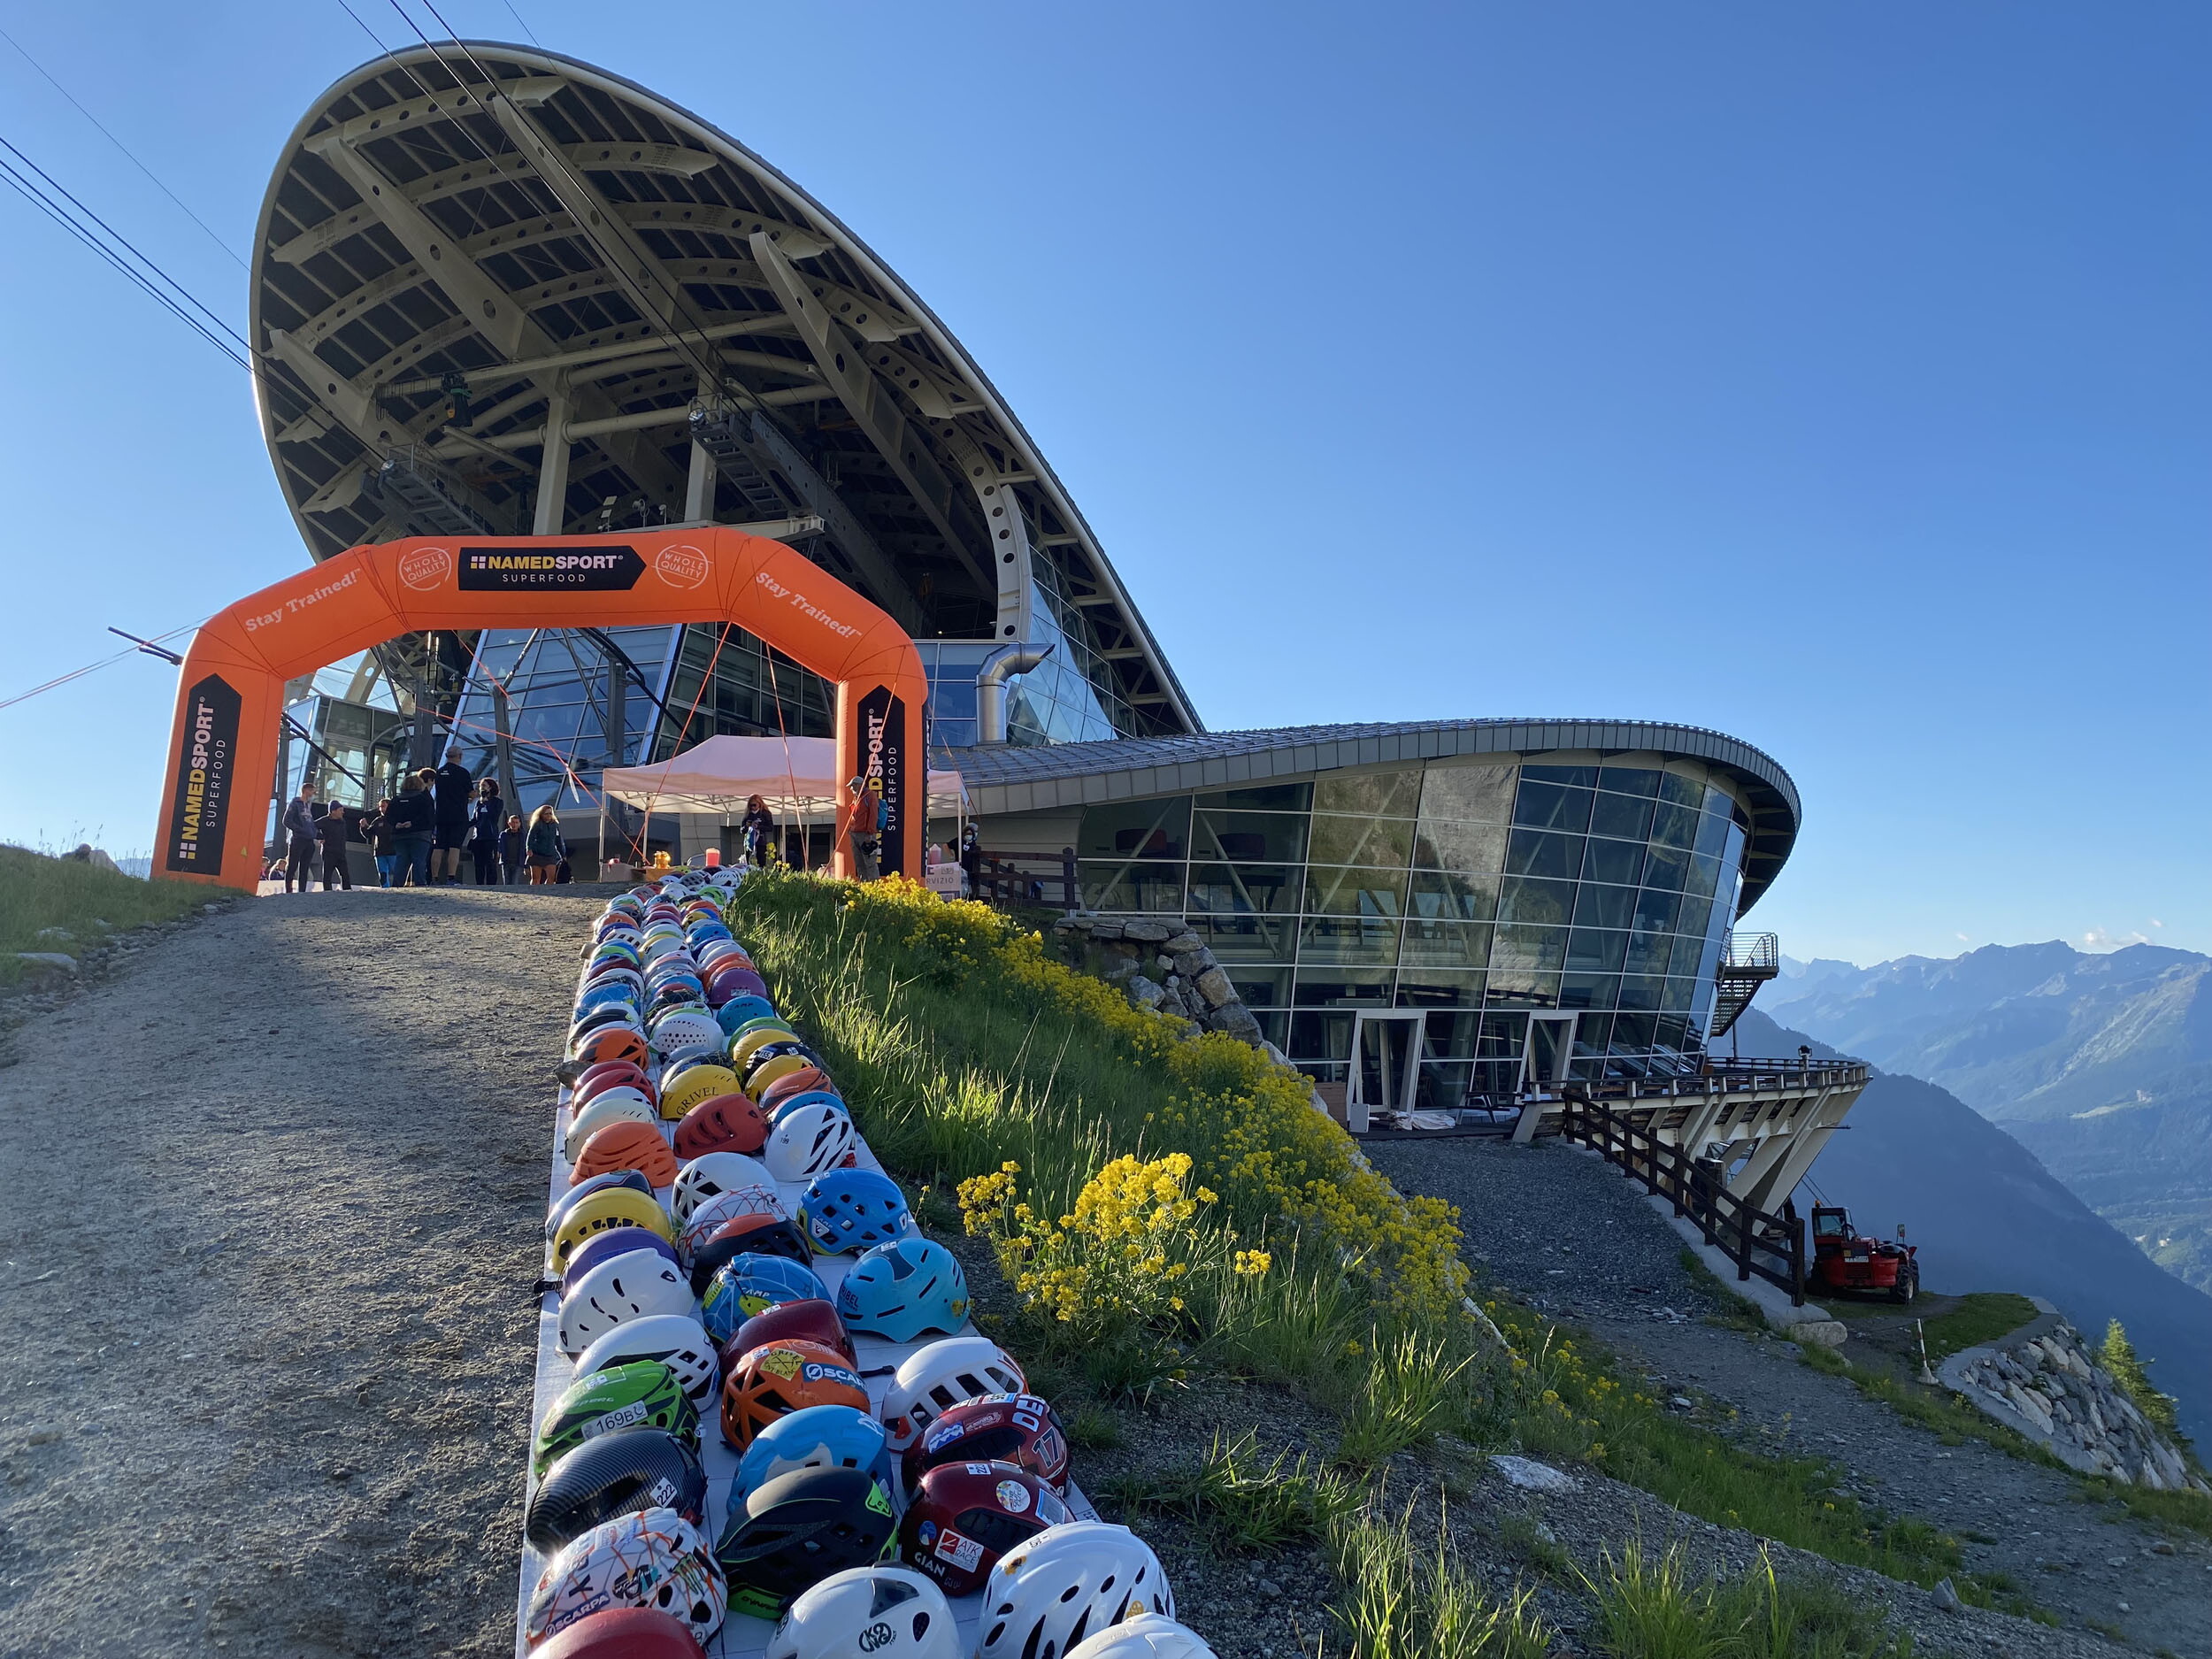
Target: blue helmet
[
  {"x": 814, "y": 1437},
  {"x": 852, "y": 1209},
  {"x": 744, "y": 1285},
  {"x": 738, "y": 1009},
  {"x": 899, "y": 1290},
  {"x": 606, "y": 991},
  {"x": 808, "y": 1097}
]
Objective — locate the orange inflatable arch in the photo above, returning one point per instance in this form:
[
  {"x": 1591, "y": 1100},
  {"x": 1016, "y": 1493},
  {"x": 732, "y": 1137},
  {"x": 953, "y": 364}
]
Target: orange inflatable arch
[{"x": 223, "y": 752}]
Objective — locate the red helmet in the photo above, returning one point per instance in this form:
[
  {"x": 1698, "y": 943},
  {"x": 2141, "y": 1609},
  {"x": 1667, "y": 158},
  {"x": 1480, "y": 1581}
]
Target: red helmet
[
  {"x": 1019, "y": 1429},
  {"x": 626, "y": 1144},
  {"x": 727, "y": 1123},
  {"x": 609, "y": 1042},
  {"x": 812, "y": 1320},
  {"x": 963, "y": 1517},
  {"x": 781, "y": 1376},
  {"x": 795, "y": 1083},
  {"x": 624, "y": 1632},
  {"x": 613, "y": 1074}
]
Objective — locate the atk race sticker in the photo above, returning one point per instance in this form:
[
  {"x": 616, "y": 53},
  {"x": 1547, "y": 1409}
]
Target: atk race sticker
[
  {"x": 962, "y": 1552},
  {"x": 203, "y": 778},
  {"x": 882, "y": 735},
  {"x": 583, "y": 569}
]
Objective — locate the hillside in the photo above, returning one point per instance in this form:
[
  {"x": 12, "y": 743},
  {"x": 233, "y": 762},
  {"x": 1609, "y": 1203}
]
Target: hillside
[
  {"x": 1988, "y": 1216},
  {"x": 2101, "y": 1065}
]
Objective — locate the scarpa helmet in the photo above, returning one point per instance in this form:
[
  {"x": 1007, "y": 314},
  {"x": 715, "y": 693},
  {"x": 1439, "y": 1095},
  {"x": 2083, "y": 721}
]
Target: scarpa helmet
[
  {"x": 963, "y": 1517},
  {"x": 798, "y": 1529},
  {"x": 748, "y": 1284},
  {"x": 853, "y": 1209},
  {"x": 808, "y": 1141},
  {"x": 624, "y": 1632},
  {"x": 629, "y": 1180},
  {"x": 1147, "y": 1636},
  {"x": 710, "y": 1177},
  {"x": 811, "y": 1080},
  {"x": 782, "y": 1377},
  {"x": 674, "y": 1339},
  {"x": 618, "y": 1207},
  {"x": 610, "y": 1105},
  {"x": 1019, "y": 1429},
  {"x": 627, "y": 1145},
  {"x": 710, "y": 1217},
  {"x": 642, "y": 1395},
  {"x": 604, "y": 1246},
  {"x": 608, "y": 1042},
  {"x": 729, "y": 1123},
  {"x": 653, "y": 1558},
  {"x": 904, "y": 1290},
  {"x": 811, "y": 1319},
  {"x": 636, "y": 1469},
  {"x": 633, "y": 1287},
  {"x": 872, "y": 1612},
  {"x": 1069, "y": 1582},
  {"x": 820, "y": 1437},
  {"x": 754, "y": 1235},
  {"x": 939, "y": 1376}
]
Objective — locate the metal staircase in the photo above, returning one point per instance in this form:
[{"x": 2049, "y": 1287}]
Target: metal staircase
[
  {"x": 725, "y": 435},
  {"x": 431, "y": 501},
  {"x": 1747, "y": 962}
]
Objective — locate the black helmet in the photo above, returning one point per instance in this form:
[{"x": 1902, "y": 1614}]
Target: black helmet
[
  {"x": 768, "y": 1052},
  {"x": 633, "y": 1469},
  {"x": 793, "y": 1531},
  {"x": 771, "y": 1238}
]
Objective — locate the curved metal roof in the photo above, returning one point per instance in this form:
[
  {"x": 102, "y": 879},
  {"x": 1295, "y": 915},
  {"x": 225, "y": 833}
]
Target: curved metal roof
[
  {"x": 1029, "y": 779},
  {"x": 576, "y": 247}
]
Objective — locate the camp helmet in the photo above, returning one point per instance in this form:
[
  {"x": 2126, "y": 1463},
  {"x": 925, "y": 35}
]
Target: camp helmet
[
  {"x": 631, "y": 1286},
  {"x": 903, "y": 1290},
  {"x": 712, "y": 1216},
  {"x": 729, "y": 1123},
  {"x": 616, "y": 1207},
  {"x": 796, "y": 1530},
  {"x": 750, "y": 1284},
  {"x": 604, "y": 1246},
  {"x": 810, "y": 1319},
  {"x": 807, "y": 1141},
  {"x": 632, "y": 1180},
  {"x": 963, "y": 1517},
  {"x": 635, "y": 1469},
  {"x": 1147, "y": 1636},
  {"x": 642, "y": 1395},
  {"x": 994, "y": 1428},
  {"x": 608, "y": 1106},
  {"x": 648, "y": 1558},
  {"x": 624, "y": 1632},
  {"x": 818, "y": 1436},
  {"x": 676, "y": 1339},
  {"x": 853, "y": 1209},
  {"x": 874, "y": 1612},
  {"x": 1051, "y": 1590},
  {"x": 941, "y": 1376},
  {"x": 714, "y": 1173},
  {"x": 627, "y": 1144},
  {"x": 756, "y": 1235},
  {"x": 781, "y": 1376}
]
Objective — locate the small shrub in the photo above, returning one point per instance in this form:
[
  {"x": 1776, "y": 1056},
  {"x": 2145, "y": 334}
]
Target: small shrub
[
  {"x": 1404, "y": 1602},
  {"x": 1093, "y": 1428},
  {"x": 1244, "y": 1507},
  {"x": 1649, "y": 1608},
  {"x": 1409, "y": 1387}
]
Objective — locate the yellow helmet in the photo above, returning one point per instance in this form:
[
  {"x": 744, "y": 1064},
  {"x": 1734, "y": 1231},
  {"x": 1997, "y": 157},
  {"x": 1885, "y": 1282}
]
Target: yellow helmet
[
  {"x": 693, "y": 1083},
  {"x": 616, "y": 1207},
  {"x": 768, "y": 1071},
  {"x": 742, "y": 1047}
]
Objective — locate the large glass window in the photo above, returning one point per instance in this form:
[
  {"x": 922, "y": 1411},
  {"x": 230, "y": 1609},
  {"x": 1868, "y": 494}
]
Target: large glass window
[
  {"x": 1340, "y": 840},
  {"x": 1368, "y": 794},
  {"x": 1130, "y": 885},
  {"x": 1335, "y": 892},
  {"x": 1249, "y": 837},
  {"x": 1477, "y": 794},
  {"x": 1471, "y": 848},
  {"x": 1537, "y": 853},
  {"x": 1136, "y": 829},
  {"x": 1245, "y": 889},
  {"x": 1552, "y": 806},
  {"x": 1348, "y": 939},
  {"x": 1531, "y": 899},
  {"x": 1437, "y": 896},
  {"x": 1447, "y": 945}
]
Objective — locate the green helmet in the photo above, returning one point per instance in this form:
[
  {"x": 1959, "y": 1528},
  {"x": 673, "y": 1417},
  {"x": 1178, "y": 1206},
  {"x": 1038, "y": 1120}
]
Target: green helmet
[{"x": 643, "y": 1394}]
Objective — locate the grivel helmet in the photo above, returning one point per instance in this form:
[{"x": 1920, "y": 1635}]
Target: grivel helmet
[
  {"x": 643, "y": 1394},
  {"x": 652, "y": 1558},
  {"x": 820, "y": 1437},
  {"x": 747, "y": 1284},
  {"x": 682, "y": 1090},
  {"x": 874, "y": 1612},
  {"x": 624, "y": 1632},
  {"x": 798, "y": 1530},
  {"x": 931, "y": 1380},
  {"x": 853, "y": 1209},
  {"x": 963, "y": 1517},
  {"x": 676, "y": 1339},
  {"x": 1050, "y": 1591},
  {"x": 1146, "y": 1636},
  {"x": 811, "y": 1319},
  {"x": 754, "y": 1235},
  {"x": 633, "y": 1469},
  {"x": 904, "y": 1290},
  {"x": 994, "y": 1428},
  {"x": 782, "y": 1377},
  {"x": 729, "y": 1123}
]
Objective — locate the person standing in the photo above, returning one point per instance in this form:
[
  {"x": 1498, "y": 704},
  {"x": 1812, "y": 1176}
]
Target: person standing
[
  {"x": 514, "y": 849},
  {"x": 301, "y": 840},
  {"x": 487, "y": 812},
  {"x": 414, "y": 818},
  {"x": 759, "y": 827},
  {"x": 452, "y": 784},
  {"x": 377, "y": 827},
  {"x": 863, "y": 827},
  {"x": 971, "y": 858},
  {"x": 336, "y": 832},
  {"x": 544, "y": 847}
]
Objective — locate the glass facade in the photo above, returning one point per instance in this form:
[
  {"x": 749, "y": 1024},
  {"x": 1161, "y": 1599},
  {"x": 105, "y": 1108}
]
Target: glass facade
[{"x": 1521, "y": 909}]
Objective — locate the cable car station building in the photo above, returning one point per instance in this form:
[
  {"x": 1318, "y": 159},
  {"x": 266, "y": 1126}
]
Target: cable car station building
[{"x": 498, "y": 291}]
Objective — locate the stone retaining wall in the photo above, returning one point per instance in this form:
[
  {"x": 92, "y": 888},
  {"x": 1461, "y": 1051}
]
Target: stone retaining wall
[{"x": 1161, "y": 965}]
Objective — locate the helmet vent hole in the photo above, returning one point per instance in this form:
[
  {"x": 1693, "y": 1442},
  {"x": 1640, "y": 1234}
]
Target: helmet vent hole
[
  {"x": 1074, "y": 1589},
  {"x": 921, "y": 1624}
]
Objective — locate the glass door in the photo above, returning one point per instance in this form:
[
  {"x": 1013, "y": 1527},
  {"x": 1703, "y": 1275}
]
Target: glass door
[
  {"x": 1551, "y": 1046},
  {"x": 1386, "y": 1053}
]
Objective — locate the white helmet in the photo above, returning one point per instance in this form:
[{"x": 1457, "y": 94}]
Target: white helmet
[
  {"x": 879, "y": 1612},
  {"x": 652, "y": 1558},
  {"x": 1147, "y": 1636},
  {"x": 677, "y": 1339},
  {"x": 685, "y": 1029},
  {"x": 937, "y": 1378},
  {"x": 636, "y": 1286},
  {"x": 608, "y": 1106},
  {"x": 1069, "y": 1582},
  {"x": 724, "y": 1207},
  {"x": 807, "y": 1139},
  {"x": 714, "y": 1174}
]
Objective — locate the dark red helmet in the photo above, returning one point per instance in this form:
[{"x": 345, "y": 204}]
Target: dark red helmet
[
  {"x": 613, "y": 1074},
  {"x": 963, "y": 1517},
  {"x": 726, "y": 1123},
  {"x": 790, "y": 1083},
  {"x": 1019, "y": 1429},
  {"x": 812, "y": 1320},
  {"x": 624, "y": 1632}
]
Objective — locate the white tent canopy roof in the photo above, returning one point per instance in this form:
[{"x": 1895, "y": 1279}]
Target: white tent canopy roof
[{"x": 797, "y": 776}]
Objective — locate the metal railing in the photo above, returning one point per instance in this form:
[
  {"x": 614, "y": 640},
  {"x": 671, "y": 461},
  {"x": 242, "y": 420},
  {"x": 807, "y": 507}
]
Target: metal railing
[
  {"x": 1028, "y": 879},
  {"x": 1752, "y": 956}
]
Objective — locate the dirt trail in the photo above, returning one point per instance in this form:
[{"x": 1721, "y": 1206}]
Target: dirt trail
[{"x": 270, "y": 1197}]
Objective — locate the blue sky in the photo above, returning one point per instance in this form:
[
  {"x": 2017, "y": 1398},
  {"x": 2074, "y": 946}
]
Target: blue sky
[{"x": 1830, "y": 375}]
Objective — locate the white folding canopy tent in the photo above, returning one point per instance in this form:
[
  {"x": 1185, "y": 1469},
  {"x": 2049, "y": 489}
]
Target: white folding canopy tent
[{"x": 796, "y": 777}]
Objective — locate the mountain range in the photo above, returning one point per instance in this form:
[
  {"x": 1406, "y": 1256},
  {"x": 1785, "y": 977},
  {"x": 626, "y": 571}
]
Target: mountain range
[{"x": 2099, "y": 1063}]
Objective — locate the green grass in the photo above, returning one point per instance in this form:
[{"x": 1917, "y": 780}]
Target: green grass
[
  {"x": 2184, "y": 1511},
  {"x": 1982, "y": 1316},
  {"x": 1243, "y": 1505},
  {"x": 37, "y": 891},
  {"x": 1408, "y": 1602},
  {"x": 1410, "y": 1386},
  {"x": 1651, "y": 1607}
]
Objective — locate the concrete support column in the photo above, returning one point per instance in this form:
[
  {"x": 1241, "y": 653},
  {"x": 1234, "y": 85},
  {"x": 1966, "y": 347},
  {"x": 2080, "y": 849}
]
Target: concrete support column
[
  {"x": 553, "y": 470},
  {"x": 699, "y": 488}
]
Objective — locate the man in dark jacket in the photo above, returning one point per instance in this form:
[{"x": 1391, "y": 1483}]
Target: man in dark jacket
[
  {"x": 454, "y": 784},
  {"x": 336, "y": 872},
  {"x": 412, "y": 819},
  {"x": 487, "y": 813},
  {"x": 301, "y": 839}
]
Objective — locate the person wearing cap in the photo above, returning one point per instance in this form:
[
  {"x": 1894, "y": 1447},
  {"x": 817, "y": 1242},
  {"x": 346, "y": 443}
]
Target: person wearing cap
[{"x": 864, "y": 826}]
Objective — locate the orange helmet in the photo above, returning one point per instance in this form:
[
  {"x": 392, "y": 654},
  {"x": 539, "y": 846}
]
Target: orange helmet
[
  {"x": 759, "y": 1077},
  {"x": 610, "y": 1043},
  {"x": 781, "y": 1376},
  {"x": 801, "y": 1082},
  {"x": 626, "y": 1144},
  {"x": 729, "y": 1123}
]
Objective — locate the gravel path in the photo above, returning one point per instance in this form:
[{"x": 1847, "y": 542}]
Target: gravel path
[
  {"x": 1569, "y": 1234},
  {"x": 273, "y": 1187}
]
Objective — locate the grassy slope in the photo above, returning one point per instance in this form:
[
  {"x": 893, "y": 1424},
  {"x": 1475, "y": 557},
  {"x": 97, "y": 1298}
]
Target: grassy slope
[{"x": 37, "y": 891}]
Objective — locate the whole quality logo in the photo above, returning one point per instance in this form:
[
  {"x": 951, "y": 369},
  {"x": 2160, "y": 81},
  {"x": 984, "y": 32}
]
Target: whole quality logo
[
  {"x": 683, "y": 566},
  {"x": 425, "y": 568}
]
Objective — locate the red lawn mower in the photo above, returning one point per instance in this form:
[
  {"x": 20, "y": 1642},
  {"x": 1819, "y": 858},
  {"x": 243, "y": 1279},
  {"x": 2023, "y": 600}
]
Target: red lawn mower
[{"x": 1846, "y": 1260}]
